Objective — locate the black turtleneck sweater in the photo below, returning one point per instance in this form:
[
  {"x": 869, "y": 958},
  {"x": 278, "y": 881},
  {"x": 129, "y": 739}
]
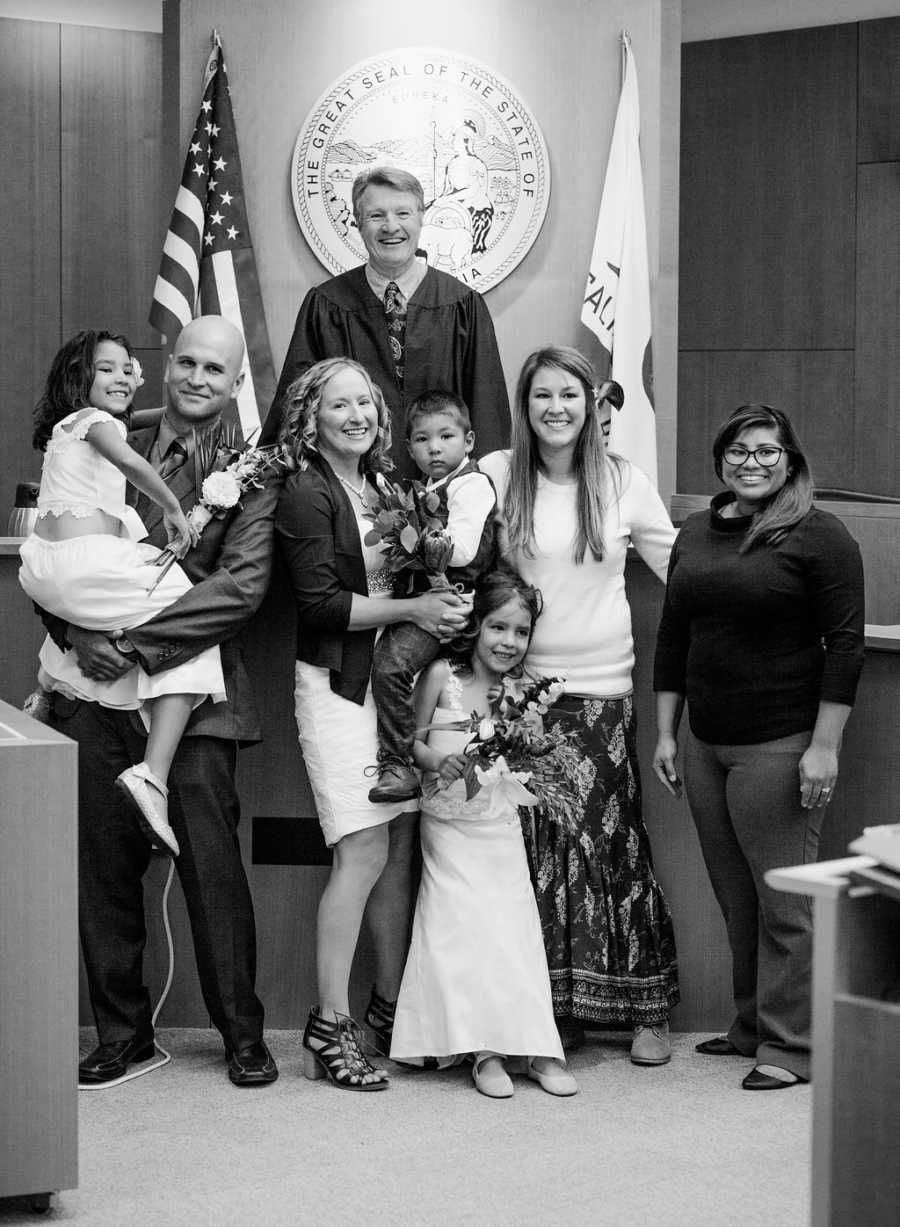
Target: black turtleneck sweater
[{"x": 755, "y": 641}]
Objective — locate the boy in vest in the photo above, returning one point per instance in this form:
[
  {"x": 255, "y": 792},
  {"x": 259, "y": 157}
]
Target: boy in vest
[{"x": 439, "y": 437}]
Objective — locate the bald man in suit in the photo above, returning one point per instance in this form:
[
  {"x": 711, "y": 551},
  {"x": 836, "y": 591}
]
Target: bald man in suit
[{"x": 230, "y": 569}]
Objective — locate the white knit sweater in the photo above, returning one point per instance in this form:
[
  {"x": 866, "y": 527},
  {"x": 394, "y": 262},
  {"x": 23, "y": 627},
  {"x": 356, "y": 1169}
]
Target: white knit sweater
[{"x": 584, "y": 632}]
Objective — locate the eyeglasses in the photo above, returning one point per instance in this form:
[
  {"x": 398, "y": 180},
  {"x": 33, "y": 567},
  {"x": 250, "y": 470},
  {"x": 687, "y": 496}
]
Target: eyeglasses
[{"x": 767, "y": 456}]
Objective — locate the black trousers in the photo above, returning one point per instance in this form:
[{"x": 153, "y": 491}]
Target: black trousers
[{"x": 114, "y": 855}]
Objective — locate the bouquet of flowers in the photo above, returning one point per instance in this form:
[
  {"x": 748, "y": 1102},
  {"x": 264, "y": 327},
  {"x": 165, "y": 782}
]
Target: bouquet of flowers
[
  {"x": 513, "y": 747},
  {"x": 230, "y": 470},
  {"x": 406, "y": 525}
]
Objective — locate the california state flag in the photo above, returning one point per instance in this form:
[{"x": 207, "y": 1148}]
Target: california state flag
[{"x": 617, "y": 295}]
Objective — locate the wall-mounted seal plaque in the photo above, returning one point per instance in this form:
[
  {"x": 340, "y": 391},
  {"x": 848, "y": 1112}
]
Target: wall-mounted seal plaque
[{"x": 453, "y": 123}]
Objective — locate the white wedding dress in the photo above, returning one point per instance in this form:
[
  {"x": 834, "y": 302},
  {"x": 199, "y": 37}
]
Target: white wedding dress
[{"x": 476, "y": 975}]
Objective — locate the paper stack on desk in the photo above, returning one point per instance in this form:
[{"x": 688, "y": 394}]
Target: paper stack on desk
[{"x": 882, "y": 843}]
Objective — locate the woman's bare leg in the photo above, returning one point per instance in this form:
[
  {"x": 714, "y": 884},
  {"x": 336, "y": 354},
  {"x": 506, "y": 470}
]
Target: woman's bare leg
[{"x": 358, "y": 861}]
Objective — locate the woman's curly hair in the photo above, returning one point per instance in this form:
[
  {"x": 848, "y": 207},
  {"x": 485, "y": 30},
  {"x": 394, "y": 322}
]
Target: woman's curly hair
[{"x": 299, "y": 430}]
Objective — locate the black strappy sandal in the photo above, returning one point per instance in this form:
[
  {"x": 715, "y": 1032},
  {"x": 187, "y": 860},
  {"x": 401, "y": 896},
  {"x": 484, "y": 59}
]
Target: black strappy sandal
[
  {"x": 336, "y": 1049},
  {"x": 379, "y": 1017}
]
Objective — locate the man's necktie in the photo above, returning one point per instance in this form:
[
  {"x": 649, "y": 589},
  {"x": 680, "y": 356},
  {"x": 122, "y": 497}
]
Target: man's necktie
[
  {"x": 173, "y": 460},
  {"x": 395, "y": 314}
]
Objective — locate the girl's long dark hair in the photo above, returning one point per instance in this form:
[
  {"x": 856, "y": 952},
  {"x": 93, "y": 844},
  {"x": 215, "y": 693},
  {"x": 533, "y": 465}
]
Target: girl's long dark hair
[
  {"x": 492, "y": 591},
  {"x": 795, "y": 498},
  {"x": 68, "y": 385}
]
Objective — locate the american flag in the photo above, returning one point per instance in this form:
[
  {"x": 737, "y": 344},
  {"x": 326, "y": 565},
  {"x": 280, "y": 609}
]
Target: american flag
[{"x": 207, "y": 265}]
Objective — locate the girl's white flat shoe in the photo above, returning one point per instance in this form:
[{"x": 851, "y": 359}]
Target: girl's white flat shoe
[
  {"x": 555, "y": 1079},
  {"x": 153, "y": 817},
  {"x": 496, "y": 1084}
]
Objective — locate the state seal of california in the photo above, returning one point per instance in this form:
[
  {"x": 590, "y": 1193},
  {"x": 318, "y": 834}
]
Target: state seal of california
[{"x": 453, "y": 123}]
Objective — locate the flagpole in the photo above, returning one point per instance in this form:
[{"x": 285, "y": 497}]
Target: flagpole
[
  {"x": 616, "y": 299},
  {"x": 208, "y": 266}
]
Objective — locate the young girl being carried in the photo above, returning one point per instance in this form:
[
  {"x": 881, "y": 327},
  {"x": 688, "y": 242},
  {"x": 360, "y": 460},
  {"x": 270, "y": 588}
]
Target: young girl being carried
[
  {"x": 84, "y": 563},
  {"x": 476, "y": 979}
]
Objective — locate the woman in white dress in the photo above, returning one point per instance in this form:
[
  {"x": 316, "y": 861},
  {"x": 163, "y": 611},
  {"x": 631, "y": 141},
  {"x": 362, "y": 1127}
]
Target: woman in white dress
[
  {"x": 337, "y": 430},
  {"x": 476, "y": 977}
]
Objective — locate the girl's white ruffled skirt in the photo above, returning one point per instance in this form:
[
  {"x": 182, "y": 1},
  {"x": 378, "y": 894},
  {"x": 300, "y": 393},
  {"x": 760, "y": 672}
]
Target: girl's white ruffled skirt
[{"x": 100, "y": 582}]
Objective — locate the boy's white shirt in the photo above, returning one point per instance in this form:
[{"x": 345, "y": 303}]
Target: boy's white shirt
[{"x": 470, "y": 501}]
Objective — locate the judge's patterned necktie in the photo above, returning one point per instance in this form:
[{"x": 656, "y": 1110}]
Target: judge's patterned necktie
[
  {"x": 395, "y": 315},
  {"x": 174, "y": 459}
]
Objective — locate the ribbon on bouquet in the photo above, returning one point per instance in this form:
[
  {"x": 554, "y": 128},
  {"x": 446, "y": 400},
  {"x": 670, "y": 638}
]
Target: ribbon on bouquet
[{"x": 506, "y": 789}]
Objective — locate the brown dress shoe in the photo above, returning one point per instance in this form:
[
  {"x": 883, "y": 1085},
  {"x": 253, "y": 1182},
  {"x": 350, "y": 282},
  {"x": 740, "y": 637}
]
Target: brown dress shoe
[
  {"x": 651, "y": 1044},
  {"x": 396, "y": 782}
]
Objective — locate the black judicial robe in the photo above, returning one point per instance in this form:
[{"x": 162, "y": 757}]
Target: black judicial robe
[{"x": 450, "y": 344}]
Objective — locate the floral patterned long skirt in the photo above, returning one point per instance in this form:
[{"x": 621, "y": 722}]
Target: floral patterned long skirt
[{"x": 607, "y": 927}]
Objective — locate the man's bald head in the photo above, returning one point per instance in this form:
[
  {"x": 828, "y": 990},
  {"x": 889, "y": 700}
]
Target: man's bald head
[{"x": 203, "y": 372}]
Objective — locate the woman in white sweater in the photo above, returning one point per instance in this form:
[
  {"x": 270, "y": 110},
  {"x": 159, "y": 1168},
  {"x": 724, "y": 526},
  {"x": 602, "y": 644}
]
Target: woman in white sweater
[{"x": 570, "y": 511}]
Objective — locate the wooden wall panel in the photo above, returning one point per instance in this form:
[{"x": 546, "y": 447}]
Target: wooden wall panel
[
  {"x": 876, "y": 433},
  {"x": 150, "y": 396},
  {"x": 814, "y": 387},
  {"x": 29, "y": 270},
  {"x": 704, "y": 962},
  {"x": 879, "y": 91},
  {"x": 869, "y": 774},
  {"x": 111, "y": 113},
  {"x": 767, "y": 191}
]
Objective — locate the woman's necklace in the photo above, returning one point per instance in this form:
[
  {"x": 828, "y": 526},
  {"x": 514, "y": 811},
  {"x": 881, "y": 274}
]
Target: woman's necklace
[{"x": 360, "y": 493}]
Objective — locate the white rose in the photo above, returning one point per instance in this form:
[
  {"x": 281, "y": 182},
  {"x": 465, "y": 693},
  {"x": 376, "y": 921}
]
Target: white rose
[
  {"x": 200, "y": 516},
  {"x": 221, "y": 490},
  {"x": 486, "y": 729}
]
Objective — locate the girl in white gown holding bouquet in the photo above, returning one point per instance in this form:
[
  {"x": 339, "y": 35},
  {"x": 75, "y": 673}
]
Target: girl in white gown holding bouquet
[{"x": 476, "y": 979}]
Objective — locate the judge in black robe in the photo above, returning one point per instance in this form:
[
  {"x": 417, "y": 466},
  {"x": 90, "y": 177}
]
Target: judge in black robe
[{"x": 449, "y": 340}]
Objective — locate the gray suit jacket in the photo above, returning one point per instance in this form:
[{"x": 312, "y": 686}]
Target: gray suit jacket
[{"x": 230, "y": 569}]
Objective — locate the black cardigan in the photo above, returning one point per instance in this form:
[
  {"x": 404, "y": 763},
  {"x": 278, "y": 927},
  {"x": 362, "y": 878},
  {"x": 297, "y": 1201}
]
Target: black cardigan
[{"x": 319, "y": 541}]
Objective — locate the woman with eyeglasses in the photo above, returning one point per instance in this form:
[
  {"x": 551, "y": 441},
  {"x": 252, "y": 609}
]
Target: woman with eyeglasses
[{"x": 762, "y": 633}]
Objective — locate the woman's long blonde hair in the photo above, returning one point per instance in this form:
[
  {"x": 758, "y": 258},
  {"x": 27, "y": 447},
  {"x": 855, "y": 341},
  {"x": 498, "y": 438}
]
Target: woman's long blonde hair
[
  {"x": 595, "y": 471},
  {"x": 299, "y": 431}
]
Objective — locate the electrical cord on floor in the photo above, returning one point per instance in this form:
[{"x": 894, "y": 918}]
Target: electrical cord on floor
[{"x": 160, "y": 1056}]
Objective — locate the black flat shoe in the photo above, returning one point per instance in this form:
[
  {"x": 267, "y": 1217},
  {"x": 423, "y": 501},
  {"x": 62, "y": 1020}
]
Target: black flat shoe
[
  {"x": 718, "y": 1046},
  {"x": 756, "y": 1080},
  {"x": 252, "y": 1066},
  {"x": 107, "y": 1062}
]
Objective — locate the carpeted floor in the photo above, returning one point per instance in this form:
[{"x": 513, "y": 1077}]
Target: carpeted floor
[{"x": 676, "y": 1146}]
